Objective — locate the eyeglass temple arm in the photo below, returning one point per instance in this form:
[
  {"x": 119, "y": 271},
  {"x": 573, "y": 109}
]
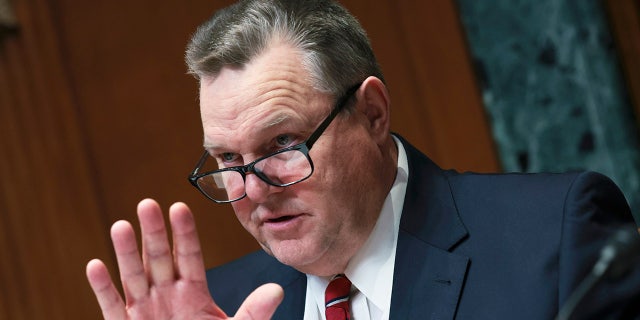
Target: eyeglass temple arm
[
  {"x": 339, "y": 106},
  {"x": 203, "y": 158}
]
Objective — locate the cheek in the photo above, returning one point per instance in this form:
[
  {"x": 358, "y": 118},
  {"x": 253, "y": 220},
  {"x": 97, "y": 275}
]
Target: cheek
[
  {"x": 338, "y": 186},
  {"x": 348, "y": 163},
  {"x": 242, "y": 210}
]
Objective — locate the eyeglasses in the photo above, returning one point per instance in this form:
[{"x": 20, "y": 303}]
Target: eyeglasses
[{"x": 281, "y": 169}]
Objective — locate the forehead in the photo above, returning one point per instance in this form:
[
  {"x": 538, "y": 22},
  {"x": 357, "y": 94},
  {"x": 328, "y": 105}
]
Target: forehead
[{"x": 273, "y": 89}]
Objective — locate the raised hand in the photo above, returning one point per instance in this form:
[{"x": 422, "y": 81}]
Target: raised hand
[{"x": 165, "y": 284}]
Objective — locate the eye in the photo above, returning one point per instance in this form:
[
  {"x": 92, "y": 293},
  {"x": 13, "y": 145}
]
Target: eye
[
  {"x": 228, "y": 157},
  {"x": 283, "y": 141}
]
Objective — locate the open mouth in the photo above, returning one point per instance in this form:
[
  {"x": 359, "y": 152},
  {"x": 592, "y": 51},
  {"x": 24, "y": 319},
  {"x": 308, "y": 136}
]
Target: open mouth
[{"x": 282, "y": 219}]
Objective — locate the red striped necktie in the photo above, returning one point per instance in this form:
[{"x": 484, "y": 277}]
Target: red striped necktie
[{"x": 336, "y": 298}]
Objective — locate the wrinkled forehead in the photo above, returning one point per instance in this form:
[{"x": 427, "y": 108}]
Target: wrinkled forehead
[
  {"x": 270, "y": 90},
  {"x": 279, "y": 67}
]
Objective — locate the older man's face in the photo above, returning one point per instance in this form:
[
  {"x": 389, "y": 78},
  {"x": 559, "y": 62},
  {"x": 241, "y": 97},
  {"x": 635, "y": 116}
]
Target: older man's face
[{"x": 318, "y": 224}]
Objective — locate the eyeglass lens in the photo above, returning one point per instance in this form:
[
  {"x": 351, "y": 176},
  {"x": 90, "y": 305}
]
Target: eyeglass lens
[{"x": 280, "y": 169}]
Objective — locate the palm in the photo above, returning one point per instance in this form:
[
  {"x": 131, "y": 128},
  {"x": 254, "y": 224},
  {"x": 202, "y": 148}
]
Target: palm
[
  {"x": 165, "y": 284},
  {"x": 182, "y": 297}
]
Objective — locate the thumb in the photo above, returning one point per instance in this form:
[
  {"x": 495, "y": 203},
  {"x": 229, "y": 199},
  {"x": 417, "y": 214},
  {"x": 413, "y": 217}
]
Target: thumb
[{"x": 261, "y": 303}]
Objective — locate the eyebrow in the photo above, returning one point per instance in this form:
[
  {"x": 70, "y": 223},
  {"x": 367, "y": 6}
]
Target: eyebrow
[
  {"x": 271, "y": 122},
  {"x": 278, "y": 119}
]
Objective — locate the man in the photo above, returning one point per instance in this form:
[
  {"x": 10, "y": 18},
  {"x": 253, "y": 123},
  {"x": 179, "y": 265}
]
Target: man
[{"x": 295, "y": 115}]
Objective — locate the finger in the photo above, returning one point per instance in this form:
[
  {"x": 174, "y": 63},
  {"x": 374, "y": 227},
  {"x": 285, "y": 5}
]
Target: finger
[
  {"x": 186, "y": 245},
  {"x": 261, "y": 303},
  {"x": 106, "y": 293},
  {"x": 156, "y": 252},
  {"x": 132, "y": 274}
]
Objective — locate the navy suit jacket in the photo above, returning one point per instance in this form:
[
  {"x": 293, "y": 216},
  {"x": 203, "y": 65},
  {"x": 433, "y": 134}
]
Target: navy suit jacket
[{"x": 476, "y": 246}]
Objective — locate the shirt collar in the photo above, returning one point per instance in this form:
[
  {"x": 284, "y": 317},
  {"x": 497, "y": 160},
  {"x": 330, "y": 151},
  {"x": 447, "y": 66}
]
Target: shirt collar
[{"x": 371, "y": 268}]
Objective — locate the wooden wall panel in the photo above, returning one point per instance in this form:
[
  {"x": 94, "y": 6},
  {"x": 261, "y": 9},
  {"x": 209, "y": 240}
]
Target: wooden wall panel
[
  {"x": 49, "y": 221},
  {"x": 96, "y": 113},
  {"x": 139, "y": 109},
  {"x": 624, "y": 19},
  {"x": 436, "y": 102}
]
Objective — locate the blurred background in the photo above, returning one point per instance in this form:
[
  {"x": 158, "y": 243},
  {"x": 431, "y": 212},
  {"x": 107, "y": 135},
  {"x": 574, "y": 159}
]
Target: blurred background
[{"x": 97, "y": 112}]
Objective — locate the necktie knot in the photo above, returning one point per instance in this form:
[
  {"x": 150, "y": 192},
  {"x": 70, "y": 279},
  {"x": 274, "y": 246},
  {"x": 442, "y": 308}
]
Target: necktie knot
[{"x": 337, "y": 298}]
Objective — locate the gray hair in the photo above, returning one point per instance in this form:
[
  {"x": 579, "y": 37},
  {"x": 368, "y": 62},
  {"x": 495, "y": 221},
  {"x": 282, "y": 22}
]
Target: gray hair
[{"x": 335, "y": 48}]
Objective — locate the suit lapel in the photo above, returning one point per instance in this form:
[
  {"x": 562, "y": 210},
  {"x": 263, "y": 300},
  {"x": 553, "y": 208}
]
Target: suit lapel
[
  {"x": 292, "y": 306},
  {"x": 428, "y": 278},
  {"x": 294, "y": 284},
  {"x": 427, "y": 281}
]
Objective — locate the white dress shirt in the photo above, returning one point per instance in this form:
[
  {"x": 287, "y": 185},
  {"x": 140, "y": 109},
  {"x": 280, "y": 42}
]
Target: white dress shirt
[{"x": 371, "y": 268}]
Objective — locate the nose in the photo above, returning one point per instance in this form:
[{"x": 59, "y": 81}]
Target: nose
[{"x": 257, "y": 190}]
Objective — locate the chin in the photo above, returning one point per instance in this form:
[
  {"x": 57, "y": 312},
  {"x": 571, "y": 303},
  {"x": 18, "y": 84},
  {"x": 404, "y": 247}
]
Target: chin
[
  {"x": 305, "y": 259},
  {"x": 294, "y": 254}
]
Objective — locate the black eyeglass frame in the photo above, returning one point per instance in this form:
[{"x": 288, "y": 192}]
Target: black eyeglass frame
[{"x": 303, "y": 147}]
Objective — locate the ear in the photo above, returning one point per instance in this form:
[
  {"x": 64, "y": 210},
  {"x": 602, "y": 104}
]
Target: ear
[{"x": 375, "y": 104}]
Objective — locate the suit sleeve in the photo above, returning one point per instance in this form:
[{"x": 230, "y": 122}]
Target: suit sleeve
[{"x": 594, "y": 208}]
